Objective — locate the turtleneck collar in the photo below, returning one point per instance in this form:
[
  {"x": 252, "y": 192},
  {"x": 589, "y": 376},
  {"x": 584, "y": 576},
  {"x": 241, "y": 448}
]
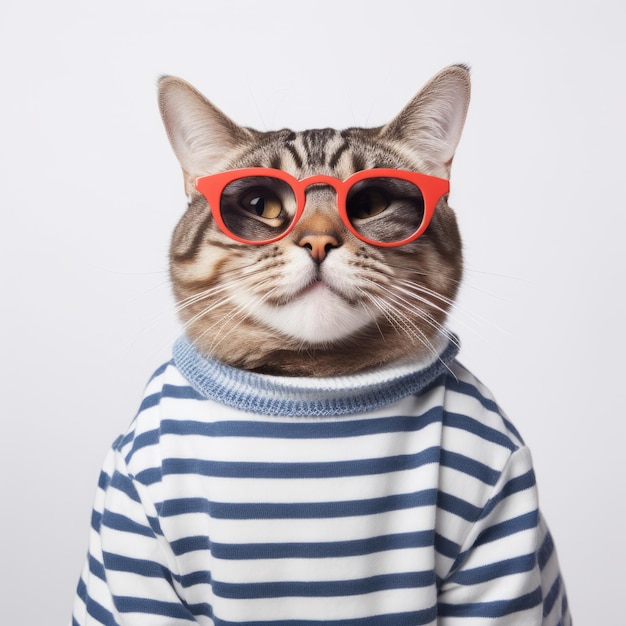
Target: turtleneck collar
[{"x": 304, "y": 396}]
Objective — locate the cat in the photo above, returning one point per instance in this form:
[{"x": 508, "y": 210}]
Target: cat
[
  {"x": 277, "y": 309},
  {"x": 314, "y": 453}
]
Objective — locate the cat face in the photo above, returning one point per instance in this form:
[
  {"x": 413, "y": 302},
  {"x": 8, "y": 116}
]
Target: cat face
[{"x": 319, "y": 301}]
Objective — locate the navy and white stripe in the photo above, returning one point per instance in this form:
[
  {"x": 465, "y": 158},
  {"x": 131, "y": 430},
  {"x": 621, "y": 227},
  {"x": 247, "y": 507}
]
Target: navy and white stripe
[{"x": 420, "y": 508}]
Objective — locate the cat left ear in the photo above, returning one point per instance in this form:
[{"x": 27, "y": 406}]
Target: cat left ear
[
  {"x": 431, "y": 124},
  {"x": 201, "y": 136}
]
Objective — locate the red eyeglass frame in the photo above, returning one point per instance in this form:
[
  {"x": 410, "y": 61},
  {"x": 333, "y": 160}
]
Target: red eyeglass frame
[{"x": 432, "y": 188}]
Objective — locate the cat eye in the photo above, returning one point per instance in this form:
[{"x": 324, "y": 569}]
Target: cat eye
[
  {"x": 382, "y": 207},
  {"x": 366, "y": 203},
  {"x": 262, "y": 202}
]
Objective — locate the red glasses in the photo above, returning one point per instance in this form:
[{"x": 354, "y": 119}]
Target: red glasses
[{"x": 382, "y": 207}]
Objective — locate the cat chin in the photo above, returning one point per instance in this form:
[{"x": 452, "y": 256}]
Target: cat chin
[{"x": 317, "y": 317}]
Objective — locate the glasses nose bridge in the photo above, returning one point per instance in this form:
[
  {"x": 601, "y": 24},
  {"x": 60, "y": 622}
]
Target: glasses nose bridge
[{"x": 321, "y": 180}]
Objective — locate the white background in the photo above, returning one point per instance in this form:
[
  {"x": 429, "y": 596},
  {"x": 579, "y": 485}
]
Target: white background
[{"x": 90, "y": 191}]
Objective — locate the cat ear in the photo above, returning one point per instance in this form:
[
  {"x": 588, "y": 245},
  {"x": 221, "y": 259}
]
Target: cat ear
[
  {"x": 431, "y": 124},
  {"x": 200, "y": 134}
]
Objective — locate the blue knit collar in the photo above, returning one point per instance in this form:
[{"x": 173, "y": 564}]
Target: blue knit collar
[{"x": 300, "y": 396}]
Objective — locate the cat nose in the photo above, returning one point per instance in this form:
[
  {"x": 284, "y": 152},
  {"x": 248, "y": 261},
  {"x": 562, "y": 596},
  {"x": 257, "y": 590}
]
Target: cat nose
[{"x": 319, "y": 245}]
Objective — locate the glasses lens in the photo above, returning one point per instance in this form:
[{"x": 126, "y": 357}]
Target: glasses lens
[
  {"x": 385, "y": 209},
  {"x": 258, "y": 208}
]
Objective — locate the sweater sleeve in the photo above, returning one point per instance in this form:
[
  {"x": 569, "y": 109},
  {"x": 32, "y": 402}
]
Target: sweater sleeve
[
  {"x": 506, "y": 573},
  {"x": 127, "y": 579}
]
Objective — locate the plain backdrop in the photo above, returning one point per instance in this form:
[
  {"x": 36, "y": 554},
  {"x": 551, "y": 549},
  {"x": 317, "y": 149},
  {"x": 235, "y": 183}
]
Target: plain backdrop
[{"x": 90, "y": 192}]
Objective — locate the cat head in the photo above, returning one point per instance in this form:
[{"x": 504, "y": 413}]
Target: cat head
[{"x": 321, "y": 300}]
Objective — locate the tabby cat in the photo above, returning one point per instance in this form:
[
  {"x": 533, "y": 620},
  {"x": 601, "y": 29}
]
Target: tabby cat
[
  {"x": 313, "y": 453},
  {"x": 319, "y": 301}
]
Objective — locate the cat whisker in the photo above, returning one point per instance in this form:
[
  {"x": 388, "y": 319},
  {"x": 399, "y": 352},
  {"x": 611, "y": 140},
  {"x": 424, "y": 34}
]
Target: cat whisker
[
  {"x": 431, "y": 292},
  {"x": 398, "y": 295},
  {"x": 202, "y": 295},
  {"x": 402, "y": 322},
  {"x": 405, "y": 324},
  {"x": 448, "y": 311},
  {"x": 451, "y": 308},
  {"x": 417, "y": 296},
  {"x": 374, "y": 319},
  {"x": 226, "y": 284},
  {"x": 229, "y": 321},
  {"x": 467, "y": 284}
]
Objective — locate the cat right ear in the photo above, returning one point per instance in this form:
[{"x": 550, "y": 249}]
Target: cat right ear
[
  {"x": 200, "y": 134},
  {"x": 430, "y": 125}
]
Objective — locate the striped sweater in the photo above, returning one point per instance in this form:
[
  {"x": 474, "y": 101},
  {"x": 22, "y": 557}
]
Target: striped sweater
[{"x": 397, "y": 497}]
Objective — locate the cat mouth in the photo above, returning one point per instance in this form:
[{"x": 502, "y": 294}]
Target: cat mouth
[
  {"x": 319, "y": 288},
  {"x": 314, "y": 287}
]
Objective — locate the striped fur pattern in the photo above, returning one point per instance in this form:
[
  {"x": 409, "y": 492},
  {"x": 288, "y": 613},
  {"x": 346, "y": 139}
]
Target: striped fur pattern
[{"x": 276, "y": 308}]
